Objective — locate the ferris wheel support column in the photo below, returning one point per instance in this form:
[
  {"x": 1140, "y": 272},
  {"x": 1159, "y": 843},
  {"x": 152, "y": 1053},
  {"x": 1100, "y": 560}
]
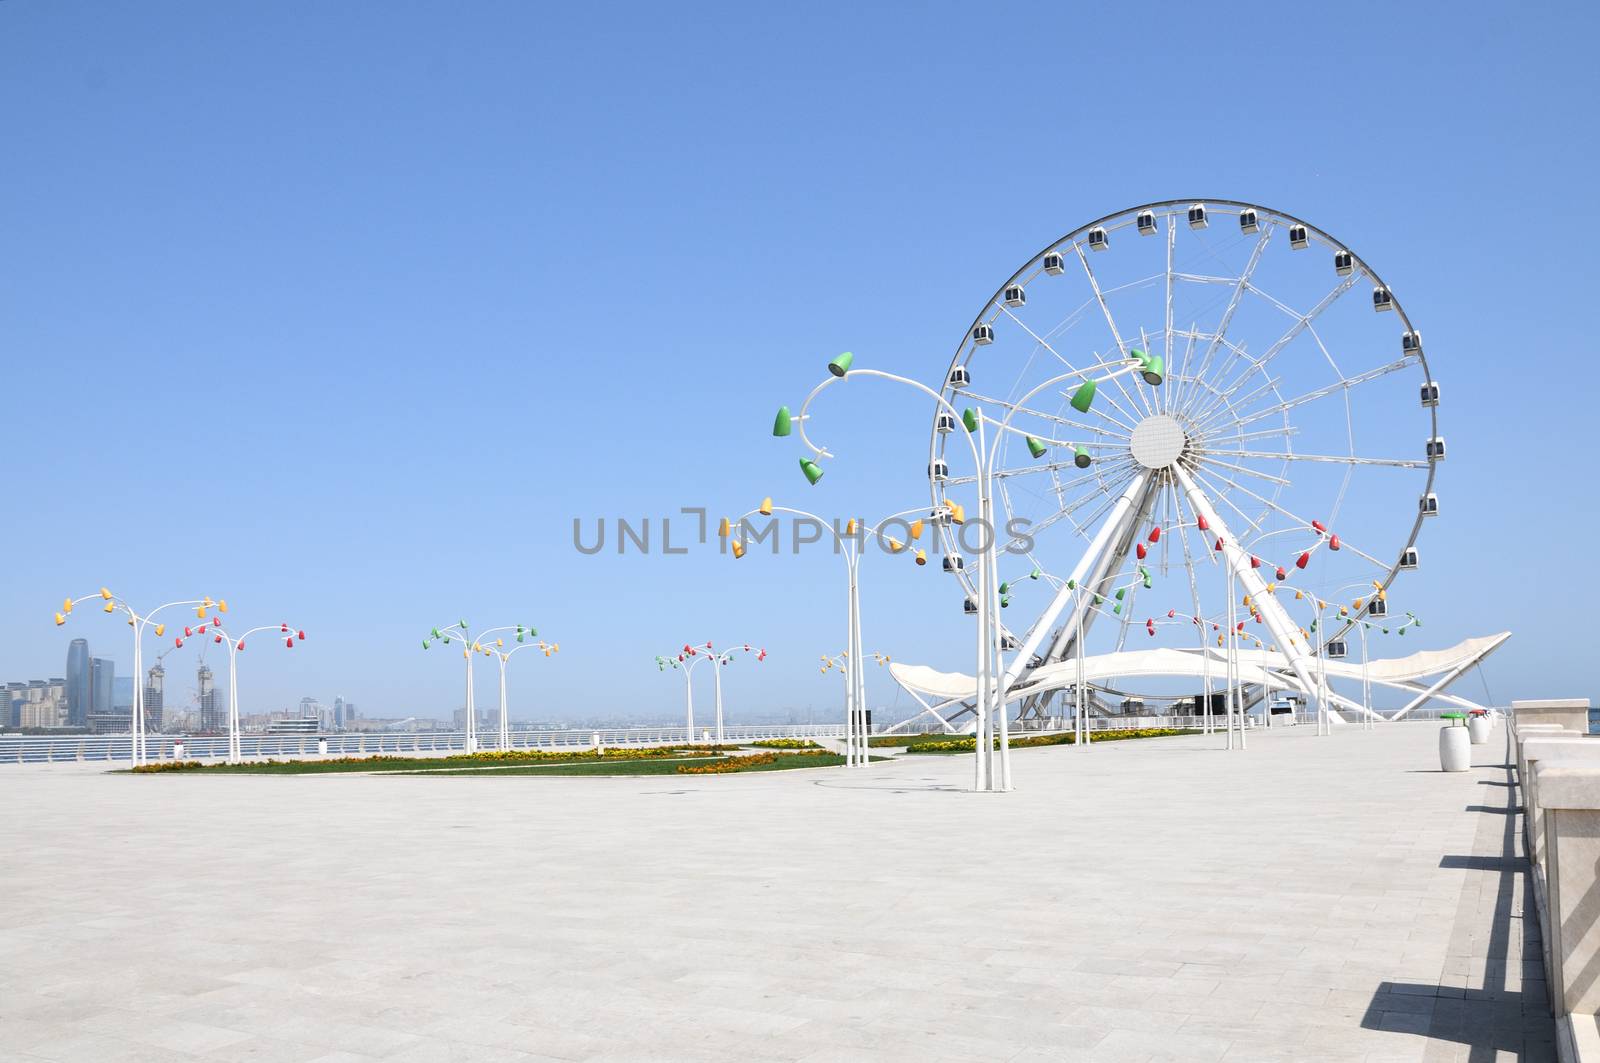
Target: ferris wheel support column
[
  {"x": 1067, "y": 593},
  {"x": 1277, "y": 621},
  {"x": 1109, "y": 561}
]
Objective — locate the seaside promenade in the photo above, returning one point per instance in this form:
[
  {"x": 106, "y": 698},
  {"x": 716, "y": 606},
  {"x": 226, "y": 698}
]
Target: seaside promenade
[{"x": 1309, "y": 899}]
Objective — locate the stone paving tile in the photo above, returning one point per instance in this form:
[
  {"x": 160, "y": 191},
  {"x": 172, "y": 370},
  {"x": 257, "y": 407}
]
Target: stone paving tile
[{"x": 1098, "y": 913}]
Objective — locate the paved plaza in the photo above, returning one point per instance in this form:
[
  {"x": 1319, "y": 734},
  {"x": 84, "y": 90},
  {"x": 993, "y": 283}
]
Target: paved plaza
[{"x": 1310, "y": 899}]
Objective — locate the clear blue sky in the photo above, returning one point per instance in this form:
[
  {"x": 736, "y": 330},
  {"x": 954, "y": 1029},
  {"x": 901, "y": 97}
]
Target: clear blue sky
[{"x": 344, "y": 311}]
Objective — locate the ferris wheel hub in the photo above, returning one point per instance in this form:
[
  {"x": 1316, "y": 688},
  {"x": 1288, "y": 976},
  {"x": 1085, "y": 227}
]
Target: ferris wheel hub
[{"x": 1158, "y": 441}]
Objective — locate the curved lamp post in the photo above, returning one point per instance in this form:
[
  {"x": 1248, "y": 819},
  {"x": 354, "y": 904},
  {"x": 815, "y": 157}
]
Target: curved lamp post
[
  {"x": 850, "y": 545},
  {"x": 991, "y": 687},
  {"x": 857, "y": 753},
  {"x": 139, "y": 622},
  {"x": 503, "y": 657},
  {"x": 471, "y": 645},
  {"x": 235, "y": 645},
  {"x": 690, "y": 656}
]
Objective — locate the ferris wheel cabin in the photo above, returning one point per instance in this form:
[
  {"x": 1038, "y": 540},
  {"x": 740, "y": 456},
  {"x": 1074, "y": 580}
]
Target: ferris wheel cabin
[
  {"x": 983, "y": 334},
  {"x": 945, "y": 422},
  {"x": 1409, "y": 559},
  {"x": 1014, "y": 295},
  {"x": 1248, "y": 222},
  {"x": 1430, "y": 393},
  {"x": 1054, "y": 264},
  {"x": 1298, "y": 237},
  {"x": 1382, "y": 299},
  {"x": 1197, "y": 216},
  {"x": 1428, "y": 505},
  {"x": 959, "y": 378},
  {"x": 1146, "y": 222},
  {"x": 1436, "y": 448},
  {"x": 1344, "y": 263},
  {"x": 1098, "y": 240}
]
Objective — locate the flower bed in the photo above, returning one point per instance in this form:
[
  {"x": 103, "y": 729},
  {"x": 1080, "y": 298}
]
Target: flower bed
[
  {"x": 968, "y": 744},
  {"x": 756, "y": 761},
  {"x": 401, "y": 762},
  {"x": 167, "y": 765},
  {"x": 785, "y": 743}
]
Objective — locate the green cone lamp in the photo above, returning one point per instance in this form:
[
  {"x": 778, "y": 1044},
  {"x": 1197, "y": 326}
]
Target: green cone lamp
[
  {"x": 1154, "y": 370},
  {"x": 783, "y": 424},
  {"x": 1036, "y": 448},
  {"x": 969, "y": 417},
  {"x": 1083, "y": 398},
  {"x": 812, "y": 470},
  {"x": 1081, "y": 458},
  {"x": 841, "y": 365}
]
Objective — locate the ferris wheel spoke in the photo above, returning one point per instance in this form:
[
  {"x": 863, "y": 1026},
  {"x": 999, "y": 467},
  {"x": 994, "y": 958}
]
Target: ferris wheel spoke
[
  {"x": 1240, "y": 286},
  {"x": 1210, "y": 461},
  {"x": 1254, "y": 525},
  {"x": 1040, "y": 340},
  {"x": 1111, "y": 323},
  {"x": 1030, "y": 470},
  {"x": 1066, "y": 512},
  {"x": 1297, "y": 519},
  {"x": 1172, "y": 239},
  {"x": 1243, "y": 437},
  {"x": 1311, "y": 396},
  {"x": 1301, "y": 322},
  {"x": 1235, "y": 408},
  {"x": 1174, "y": 399},
  {"x": 1188, "y": 563},
  {"x": 1334, "y": 459}
]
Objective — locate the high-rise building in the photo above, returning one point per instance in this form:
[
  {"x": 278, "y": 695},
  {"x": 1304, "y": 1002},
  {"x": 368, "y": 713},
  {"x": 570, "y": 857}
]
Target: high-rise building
[
  {"x": 44, "y": 704},
  {"x": 11, "y": 702},
  {"x": 213, "y": 715},
  {"x": 79, "y": 697},
  {"x": 338, "y": 714},
  {"x": 102, "y": 686},
  {"x": 154, "y": 696}
]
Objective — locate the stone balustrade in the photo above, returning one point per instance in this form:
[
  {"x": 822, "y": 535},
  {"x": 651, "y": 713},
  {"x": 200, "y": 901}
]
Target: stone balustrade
[{"x": 1558, "y": 769}]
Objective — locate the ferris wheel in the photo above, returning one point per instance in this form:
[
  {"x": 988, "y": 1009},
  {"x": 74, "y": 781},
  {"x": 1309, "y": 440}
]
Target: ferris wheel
[{"x": 1281, "y": 432}]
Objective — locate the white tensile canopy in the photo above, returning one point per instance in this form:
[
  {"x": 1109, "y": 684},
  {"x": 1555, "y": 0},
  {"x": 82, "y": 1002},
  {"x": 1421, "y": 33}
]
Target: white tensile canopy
[{"x": 1255, "y": 666}]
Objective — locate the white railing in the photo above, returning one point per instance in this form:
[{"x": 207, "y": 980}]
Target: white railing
[{"x": 47, "y": 749}]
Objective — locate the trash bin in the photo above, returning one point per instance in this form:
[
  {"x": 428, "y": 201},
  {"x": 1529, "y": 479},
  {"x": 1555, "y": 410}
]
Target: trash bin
[
  {"x": 1455, "y": 743},
  {"x": 1478, "y": 726},
  {"x": 177, "y": 751},
  {"x": 322, "y": 747}
]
